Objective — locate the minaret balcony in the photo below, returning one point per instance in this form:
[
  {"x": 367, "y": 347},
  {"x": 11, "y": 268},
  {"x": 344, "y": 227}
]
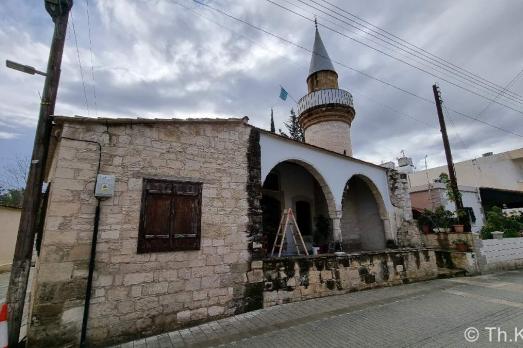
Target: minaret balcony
[{"x": 323, "y": 98}]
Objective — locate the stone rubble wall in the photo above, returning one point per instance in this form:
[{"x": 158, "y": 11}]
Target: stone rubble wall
[
  {"x": 294, "y": 279},
  {"x": 140, "y": 294},
  {"x": 408, "y": 234}
]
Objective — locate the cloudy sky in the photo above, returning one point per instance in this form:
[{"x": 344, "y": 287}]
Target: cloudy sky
[{"x": 178, "y": 58}]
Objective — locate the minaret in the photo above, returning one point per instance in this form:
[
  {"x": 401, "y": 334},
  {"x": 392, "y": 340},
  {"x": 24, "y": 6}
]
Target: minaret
[{"x": 326, "y": 112}]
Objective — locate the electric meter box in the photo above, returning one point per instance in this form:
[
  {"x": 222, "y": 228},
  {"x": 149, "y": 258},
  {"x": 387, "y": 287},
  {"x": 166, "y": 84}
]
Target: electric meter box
[{"x": 104, "y": 185}]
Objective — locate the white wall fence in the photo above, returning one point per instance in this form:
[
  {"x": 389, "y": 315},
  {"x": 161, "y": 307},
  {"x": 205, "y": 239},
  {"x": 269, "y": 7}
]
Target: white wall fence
[{"x": 500, "y": 254}]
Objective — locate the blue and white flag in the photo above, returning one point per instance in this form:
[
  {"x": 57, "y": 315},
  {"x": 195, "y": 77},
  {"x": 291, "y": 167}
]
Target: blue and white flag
[{"x": 283, "y": 94}]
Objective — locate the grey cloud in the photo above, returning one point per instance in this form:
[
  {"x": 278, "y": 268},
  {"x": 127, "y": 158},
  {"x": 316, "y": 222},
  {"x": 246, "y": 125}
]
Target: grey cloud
[{"x": 156, "y": 59}]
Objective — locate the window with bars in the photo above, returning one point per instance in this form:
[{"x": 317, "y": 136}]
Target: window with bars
[{"x": 170, "y": 217}]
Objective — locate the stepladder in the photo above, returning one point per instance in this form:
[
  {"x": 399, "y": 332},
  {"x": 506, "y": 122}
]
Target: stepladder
[{"x": 288, "y": 228}]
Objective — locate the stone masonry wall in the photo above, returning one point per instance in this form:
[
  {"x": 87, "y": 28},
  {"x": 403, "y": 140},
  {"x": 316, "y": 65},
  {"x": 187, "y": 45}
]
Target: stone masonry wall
[
  {"x": 140, "y": 294},
  {"x": 300, "y": 278},
  {"x": 408, "y": 234},
  {"x": 331, "y": 135}
]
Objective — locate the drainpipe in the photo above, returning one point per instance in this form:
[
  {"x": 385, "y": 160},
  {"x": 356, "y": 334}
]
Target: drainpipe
[
  {"x": 92, "y": 258},
  {"x": 90, "y": 274}
]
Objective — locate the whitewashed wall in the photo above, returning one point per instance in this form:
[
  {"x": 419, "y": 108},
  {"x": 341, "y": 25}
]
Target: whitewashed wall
[{"x": 336, "y": 170}]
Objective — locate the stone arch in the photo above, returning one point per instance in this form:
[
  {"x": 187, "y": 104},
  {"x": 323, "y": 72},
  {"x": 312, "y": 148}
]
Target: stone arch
[
  {"x": 364, "y": 220},
  {"x": 331, "y": 203},
  {"x": 298, "y": 181}
]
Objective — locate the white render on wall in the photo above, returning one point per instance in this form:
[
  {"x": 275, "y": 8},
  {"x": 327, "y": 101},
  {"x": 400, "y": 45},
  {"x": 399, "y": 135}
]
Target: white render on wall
[
  {"x": 501, "y": 171},
  {"x": 335, "y": 170}
]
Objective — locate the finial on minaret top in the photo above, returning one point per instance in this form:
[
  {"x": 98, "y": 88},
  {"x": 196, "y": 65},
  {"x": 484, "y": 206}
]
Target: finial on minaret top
[{"x": 316, "y": 22}]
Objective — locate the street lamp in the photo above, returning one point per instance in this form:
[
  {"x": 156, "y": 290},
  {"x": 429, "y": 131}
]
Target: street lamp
[{"x": 23, "y": 68}]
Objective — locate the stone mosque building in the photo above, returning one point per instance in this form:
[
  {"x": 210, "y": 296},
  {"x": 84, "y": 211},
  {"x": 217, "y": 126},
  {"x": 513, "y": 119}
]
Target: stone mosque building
[{"x": 186, "y": 211}]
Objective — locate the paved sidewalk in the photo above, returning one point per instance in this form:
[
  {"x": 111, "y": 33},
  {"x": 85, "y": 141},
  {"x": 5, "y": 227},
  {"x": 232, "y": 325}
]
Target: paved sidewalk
[{"x": 432, "y": 314}]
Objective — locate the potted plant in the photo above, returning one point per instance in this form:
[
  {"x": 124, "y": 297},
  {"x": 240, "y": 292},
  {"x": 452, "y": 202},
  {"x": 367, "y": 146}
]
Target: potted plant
[
  {"x": 442, "y": 219},
  {"x": 458, "y": 225},
  {"x": 426, "y": 221},
  {"x": 461, "y": 245}
]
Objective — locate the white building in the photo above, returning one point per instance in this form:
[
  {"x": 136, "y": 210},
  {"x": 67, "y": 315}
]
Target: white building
[{"x": 503, "y": 171}]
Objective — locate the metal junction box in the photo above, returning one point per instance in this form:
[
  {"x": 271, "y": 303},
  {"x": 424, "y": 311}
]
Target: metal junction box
[{"x": 104, "y": 185}]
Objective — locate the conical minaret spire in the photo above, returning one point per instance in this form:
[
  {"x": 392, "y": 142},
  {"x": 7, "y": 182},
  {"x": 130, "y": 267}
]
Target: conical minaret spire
[
  {"x": 320, "y": 59},
  {"x": 326, "y": 113}
]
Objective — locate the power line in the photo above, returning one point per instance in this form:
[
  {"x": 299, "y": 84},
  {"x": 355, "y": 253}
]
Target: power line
[
  {"x": 387, "y": 106},
  {"x": 92, "y": 56},
  {"x": 346, "y": 66},
  {"x": 391, "y": 56},
  {"x": 441, "y": 68},
  {"x": 80, "y": 63},
  {"x": 378, "y": 43},
  {"x": 393, "y": 37},
  {"x": 511, "y": 82}
]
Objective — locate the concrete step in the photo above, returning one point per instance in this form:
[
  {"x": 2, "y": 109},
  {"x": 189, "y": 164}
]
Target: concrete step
[{"x": 444, "y": 272}]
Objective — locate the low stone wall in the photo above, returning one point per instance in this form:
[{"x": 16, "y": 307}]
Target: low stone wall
[
  {"x": 446, "y": 240},
  {"x": 290, "y": 279}
]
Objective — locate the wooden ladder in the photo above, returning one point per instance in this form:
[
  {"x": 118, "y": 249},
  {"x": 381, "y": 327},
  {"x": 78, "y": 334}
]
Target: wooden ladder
[{"x": 288, "y": 221}]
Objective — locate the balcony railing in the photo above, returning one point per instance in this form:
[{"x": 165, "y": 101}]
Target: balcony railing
[{"x": 324, "y": 96}]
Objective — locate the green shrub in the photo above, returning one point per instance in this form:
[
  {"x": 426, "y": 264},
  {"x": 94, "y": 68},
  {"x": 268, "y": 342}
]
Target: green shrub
[{"x": 510, "y": 225}]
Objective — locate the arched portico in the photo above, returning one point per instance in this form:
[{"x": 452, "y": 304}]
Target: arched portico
[
  {"x": 298, "y": 185},
  {"x": 364, "y": 219}
]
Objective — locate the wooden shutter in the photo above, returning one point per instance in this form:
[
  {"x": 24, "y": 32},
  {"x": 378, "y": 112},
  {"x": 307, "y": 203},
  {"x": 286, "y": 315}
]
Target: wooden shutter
[
  {"x": 170, "y": 216},
  {"x": 187, "y": 216}
]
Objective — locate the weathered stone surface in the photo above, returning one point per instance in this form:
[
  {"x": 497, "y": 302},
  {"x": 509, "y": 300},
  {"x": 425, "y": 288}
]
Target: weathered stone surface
[
  {"x": 137, "y": 293},
  {"x": 408, "y": 234},
  {"x": 295, "y": 279}
]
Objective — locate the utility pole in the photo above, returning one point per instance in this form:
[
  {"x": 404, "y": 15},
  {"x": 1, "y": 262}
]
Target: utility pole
[
  {"x": 59, "y": 11},
  {"x": 448, "y": 153}
]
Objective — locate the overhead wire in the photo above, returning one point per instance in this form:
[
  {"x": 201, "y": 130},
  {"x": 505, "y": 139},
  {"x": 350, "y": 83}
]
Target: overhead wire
[
  {"x": 378, "y": 43},
  {"x": 346, "y": 66},
  {"x": 387, "y": 106},
  {"x": 384, "y": 34},
  {"x": 506, "y": 88},
  {"x": 80, "y": 63},
  {"x": 92, "y": 56},
  {"x": 391, "y": 56}
]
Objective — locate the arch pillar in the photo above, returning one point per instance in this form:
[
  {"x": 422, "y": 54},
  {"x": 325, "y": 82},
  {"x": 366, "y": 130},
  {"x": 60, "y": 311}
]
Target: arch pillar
[{"x": 336, "y": 225}]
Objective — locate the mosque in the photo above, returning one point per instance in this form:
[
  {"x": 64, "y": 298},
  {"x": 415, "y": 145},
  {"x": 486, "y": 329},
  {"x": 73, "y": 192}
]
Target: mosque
[{"x": 182, "y": 215}]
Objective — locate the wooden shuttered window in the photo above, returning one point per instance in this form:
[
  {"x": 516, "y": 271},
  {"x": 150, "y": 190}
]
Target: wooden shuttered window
[{"x": 170, "y": 217}]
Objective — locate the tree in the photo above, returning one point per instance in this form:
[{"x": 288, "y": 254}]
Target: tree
[
  {"x": 12, "y": 182},
  {"x": 273, "y": 129},
  {"x": 444, "y": 179},
  {"x": 294, "y": 128}
]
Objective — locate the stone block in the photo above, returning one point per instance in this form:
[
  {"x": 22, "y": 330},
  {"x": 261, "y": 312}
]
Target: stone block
[
  {"x": 255, "y": 276},
  {"x": 193, "y": 284},
  {"x": 199, "y": 295},
  {"x": 137, "y": 278},
  {"x": 256, "y": 264},
  {"x": 183, "y": 316},
  {"x": 198, "y": 314},
  {"x": 215, "y": 310},
  {"x": 155, "y": 288},
  {"x": 73, "y": 315},
  {"x": 55, "y": 272}
]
